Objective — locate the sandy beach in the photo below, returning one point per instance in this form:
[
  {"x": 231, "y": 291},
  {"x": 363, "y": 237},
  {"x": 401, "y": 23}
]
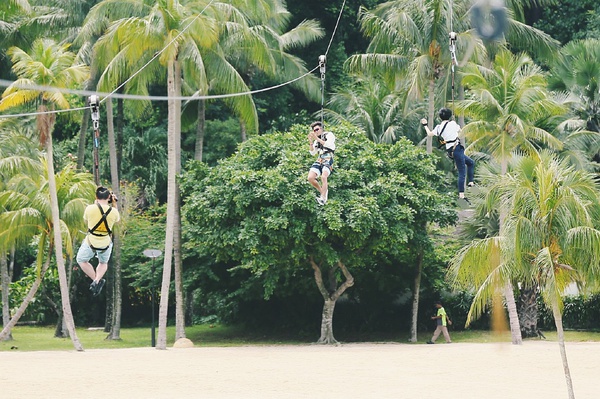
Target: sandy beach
[{"x": 386, "y": 370}]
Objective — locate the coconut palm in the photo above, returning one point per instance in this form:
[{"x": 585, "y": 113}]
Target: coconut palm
[
  {"x": 193, "y": 41},
  {"x": 549, "y": 238},
  {"x": 507, "y": 103},
  {"x": 577, "y": 71},
  {"x": 16, "y": 156},
  {"x": 376, "y": 106},
  {"x": 27, "y": 215},
  {"x": 47, "y": 64}
]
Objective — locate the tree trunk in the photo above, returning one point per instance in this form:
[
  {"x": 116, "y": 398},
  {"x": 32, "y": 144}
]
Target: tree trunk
[
  {"x": 5, "y": 295},
  {"x": 172, "y": 137},
  {"x": 200, "y": 130},
  {"x": 327, "y": 336},
  {"x": 528, "y": 312},
  {"x": 6, "y": 331},
  {"x": 117, "y": 292},
  {"x": 416, "y": 291},
  {"x": 243, "y": 131},
  {"x": 179, "y": 297},
  {"x": 56, "y": 229},
  {"x": 563, "y": 350},
  {"x": 513, "y": 316},
  {"x": 431, "y": 114}
]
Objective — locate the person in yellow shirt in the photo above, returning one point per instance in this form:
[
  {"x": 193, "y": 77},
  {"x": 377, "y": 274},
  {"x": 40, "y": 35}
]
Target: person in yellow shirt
[
  {"x": 100, "y": 218},
  {"x": 442, "y": 321}
]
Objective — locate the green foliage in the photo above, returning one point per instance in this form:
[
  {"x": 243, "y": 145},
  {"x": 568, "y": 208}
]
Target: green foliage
[
  {"x": 581, "y": 312},
  {"x": 253, "y": 223},
  {"x": 568, "y": 19}
]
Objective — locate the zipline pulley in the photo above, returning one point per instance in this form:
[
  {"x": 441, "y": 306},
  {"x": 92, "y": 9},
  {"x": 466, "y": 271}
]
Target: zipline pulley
[
  {"x": 322, "y": 60},
  {"x": 94, "y": 102}
]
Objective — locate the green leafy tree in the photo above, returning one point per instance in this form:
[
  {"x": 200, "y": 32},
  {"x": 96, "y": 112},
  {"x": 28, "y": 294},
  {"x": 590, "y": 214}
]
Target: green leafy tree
[
  {"x": 549, "y": 238},
  {"x": 255, "y": 210},
  {"x": 48, "y": 64}
]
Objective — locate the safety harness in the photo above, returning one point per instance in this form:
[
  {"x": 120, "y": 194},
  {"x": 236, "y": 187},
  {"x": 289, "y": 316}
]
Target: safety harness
[
  {"x": 104, "y": 221},
  {"x": 442, "y": 142}
]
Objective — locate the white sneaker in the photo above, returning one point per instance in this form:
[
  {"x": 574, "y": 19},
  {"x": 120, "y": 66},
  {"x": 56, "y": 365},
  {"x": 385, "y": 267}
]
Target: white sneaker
[{"x": 321, "y": 201}]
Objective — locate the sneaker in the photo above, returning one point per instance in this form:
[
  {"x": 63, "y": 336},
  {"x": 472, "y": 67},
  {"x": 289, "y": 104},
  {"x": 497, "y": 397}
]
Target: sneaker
[
  {"x": 321, "y": 201},
  {"x": 471, "y": 184},
  {"x": 99, "y": 287},
  {"x": 430, "y": 342},
  {"x": 465, "y": 199},
  {"x": 93, "y": 286}
]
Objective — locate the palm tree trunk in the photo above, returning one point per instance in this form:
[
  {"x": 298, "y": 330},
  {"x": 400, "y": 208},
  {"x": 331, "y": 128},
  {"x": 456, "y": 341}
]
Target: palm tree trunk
[
  {"x": 161, "y": 342},
  {"x": 528, "y": 312},
  {"x": 179, "y": 297},
  {"x": 563, "y": 350},
  {"x": 5, "y": 296},
  {"x": 200, "y": 130},
  {"x": 416, "y": 291},
  {"x": 431, "y": 114},
  {"x": 58, "y": 248},
  {"x": 28, "y": 298},
  {"x": 511, "y": 304},
  {"x": 117, "y": 300}
]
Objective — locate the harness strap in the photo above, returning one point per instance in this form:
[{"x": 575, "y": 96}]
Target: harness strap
[{"x": 102, "y": 220}]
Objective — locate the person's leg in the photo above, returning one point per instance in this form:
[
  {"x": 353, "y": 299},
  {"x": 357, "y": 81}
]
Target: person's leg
[
  {"x": 436, "y": 333},
  {"x": 324, "y": 183},
  {"x": 312, "y": 179},
  {"x": 84, "y": 254},
  {"x": 446, "y": 334},
  {"x": 101, "y": 270},
  {"x": 470, "y": 169},
  {"x": 459, "y": 159}
]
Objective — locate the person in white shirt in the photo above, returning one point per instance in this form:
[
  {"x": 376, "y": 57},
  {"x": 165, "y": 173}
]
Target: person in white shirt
[
  {"x": 323, "y": 144},
  {"x": 447, "y": 132}
]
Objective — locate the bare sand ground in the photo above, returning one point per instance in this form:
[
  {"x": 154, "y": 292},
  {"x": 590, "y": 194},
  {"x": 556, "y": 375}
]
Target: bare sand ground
[{"x": 391, "y": 370}]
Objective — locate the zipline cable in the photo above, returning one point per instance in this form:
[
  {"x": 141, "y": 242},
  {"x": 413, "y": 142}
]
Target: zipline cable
[
  {"x": 323, "y": 60},
  {"x": 113, "y": 94},
  {"x": 138, "y": 97}
]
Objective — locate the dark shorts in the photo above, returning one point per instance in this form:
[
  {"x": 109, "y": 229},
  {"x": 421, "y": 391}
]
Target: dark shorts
[{"x": 324, "y": 161}]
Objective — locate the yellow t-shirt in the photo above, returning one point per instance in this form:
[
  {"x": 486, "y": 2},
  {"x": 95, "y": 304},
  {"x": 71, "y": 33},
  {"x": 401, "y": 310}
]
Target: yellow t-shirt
[{"x": 92, "y": 216}]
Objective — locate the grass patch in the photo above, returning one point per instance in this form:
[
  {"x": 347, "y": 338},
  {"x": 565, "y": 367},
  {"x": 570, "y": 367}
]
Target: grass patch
[{"x": 28, "y": 338}]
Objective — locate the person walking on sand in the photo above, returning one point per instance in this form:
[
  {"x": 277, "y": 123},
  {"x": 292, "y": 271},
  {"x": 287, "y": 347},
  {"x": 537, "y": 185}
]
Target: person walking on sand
[{"x": 442, "y": 322}]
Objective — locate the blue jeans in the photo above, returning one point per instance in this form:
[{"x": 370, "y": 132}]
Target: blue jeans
[{"x": 463, "y": 162}]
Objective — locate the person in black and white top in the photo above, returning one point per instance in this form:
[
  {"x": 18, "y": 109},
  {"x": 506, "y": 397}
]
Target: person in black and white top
[
  {"x": 322, "y": 143},
  {"x": 448, "y": 131}
]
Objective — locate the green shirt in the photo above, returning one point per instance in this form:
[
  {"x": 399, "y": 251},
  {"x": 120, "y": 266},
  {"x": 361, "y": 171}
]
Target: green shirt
[{"x": 442, "y": 312}]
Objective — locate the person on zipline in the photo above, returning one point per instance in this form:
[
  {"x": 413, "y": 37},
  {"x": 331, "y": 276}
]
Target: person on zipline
[
  {"x": 447, "y": 132},
  {"x": 322, "y": 143},
  {"x": 100, "y": 218}
]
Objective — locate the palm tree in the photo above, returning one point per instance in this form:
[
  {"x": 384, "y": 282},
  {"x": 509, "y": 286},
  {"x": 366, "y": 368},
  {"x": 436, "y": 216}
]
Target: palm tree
[
  {"x": 193, "y": 42},
  {"x": 550, "y": 239},
  {"x": 47, "y": 64},
  {"x": 376, "y": 106},
  {"x": 577, "y": 71},
  {"x": 507, "y": 103},
  {"x": 16, "y": 156},
  {"x": 27, "y": 214}
]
